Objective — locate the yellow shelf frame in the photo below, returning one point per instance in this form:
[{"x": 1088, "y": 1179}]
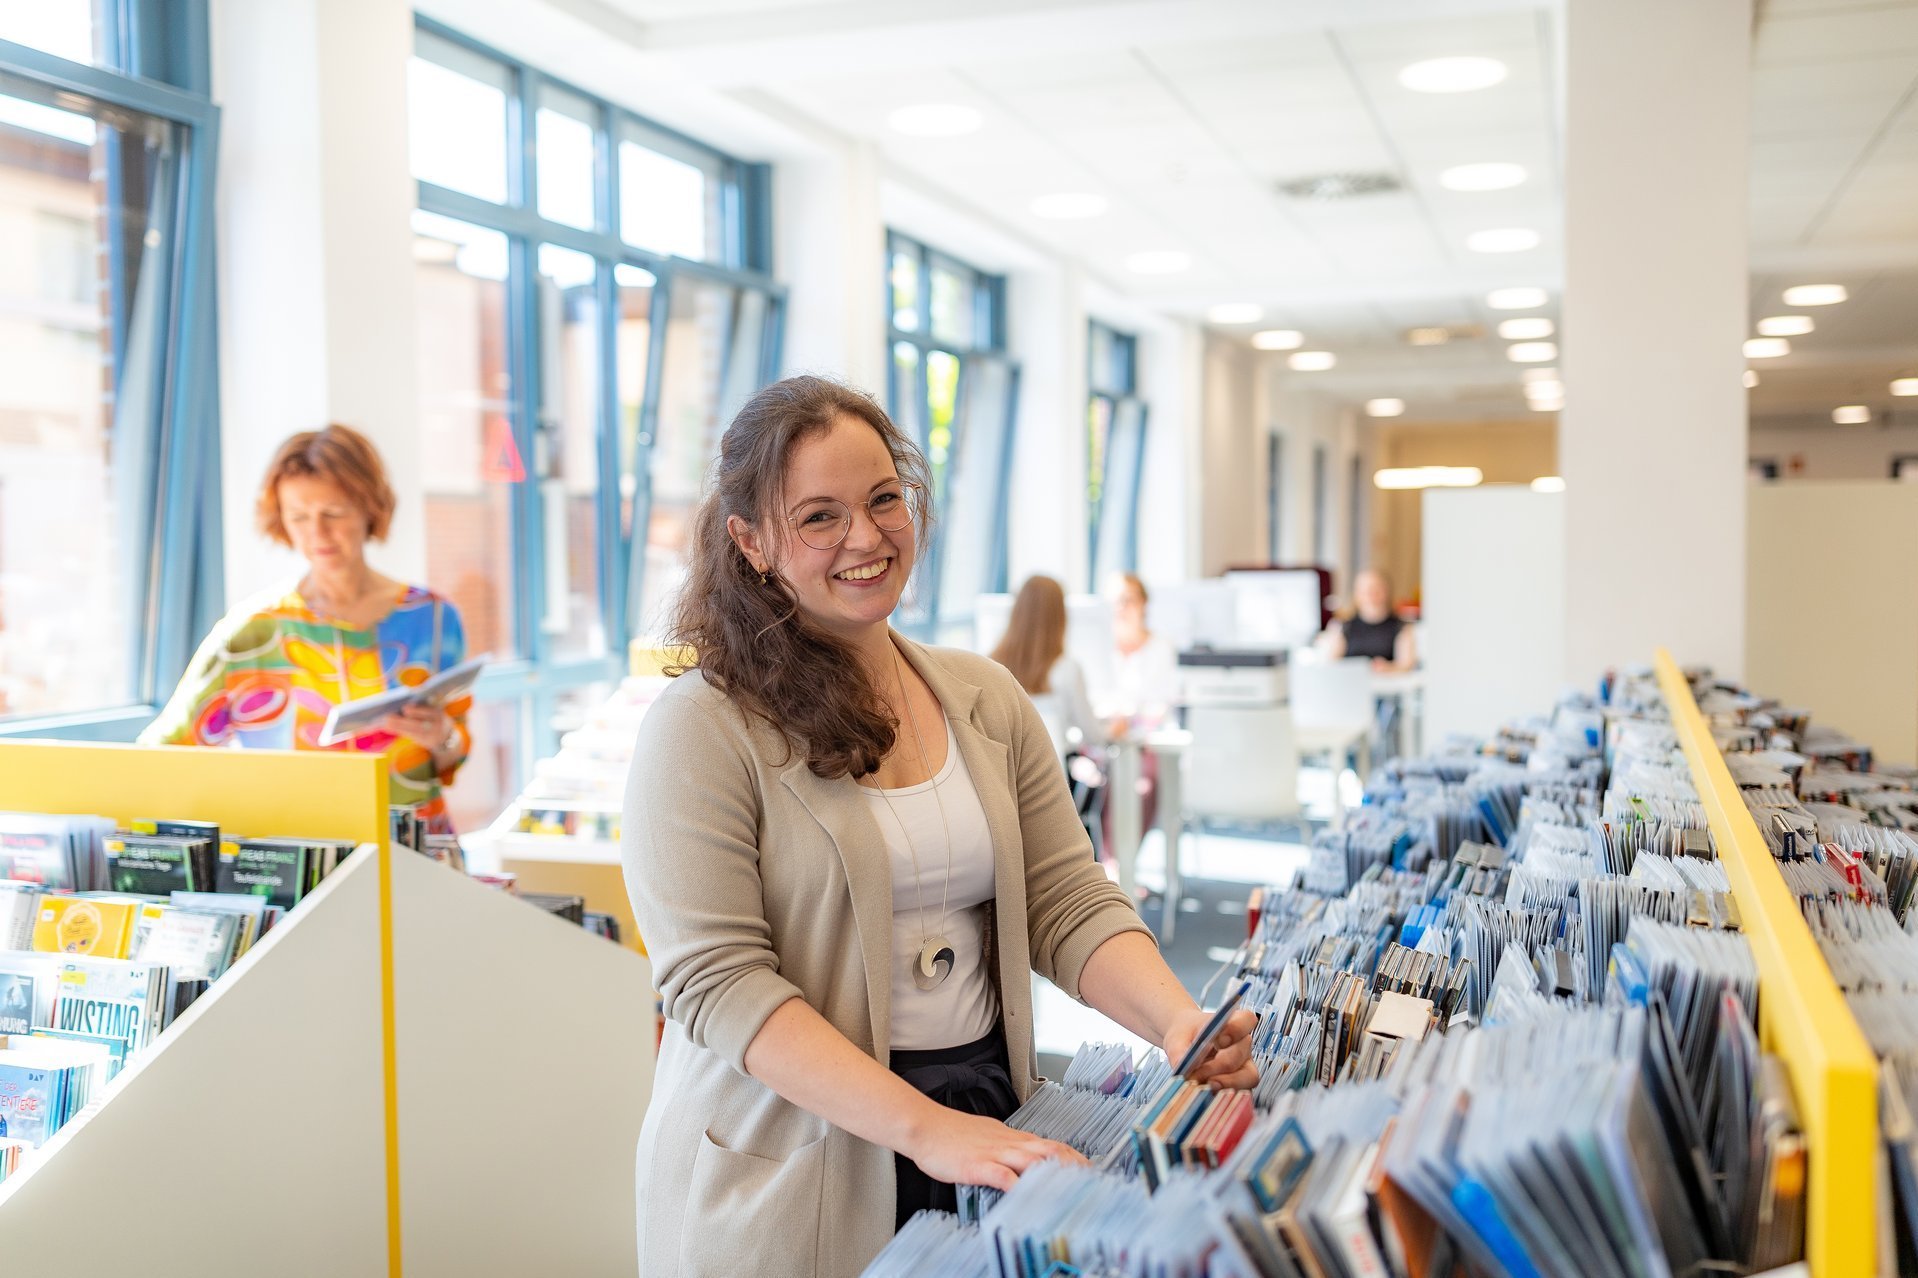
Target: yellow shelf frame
[
  {"x": 317, "y": 794},
  {"x": 1803, "y": 1016}
]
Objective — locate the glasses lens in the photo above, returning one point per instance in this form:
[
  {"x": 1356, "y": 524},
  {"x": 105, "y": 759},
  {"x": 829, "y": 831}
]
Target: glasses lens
[
  {"x": 822, "y": 525},
  {"x": 892, "y": 509}
]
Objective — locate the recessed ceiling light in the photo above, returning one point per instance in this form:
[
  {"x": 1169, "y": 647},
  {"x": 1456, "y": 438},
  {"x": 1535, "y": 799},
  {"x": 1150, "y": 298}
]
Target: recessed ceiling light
[
  {"x": 1384, "y": 407},
  {"x": 1311, "y": 361},
  {"x": 1497, "y": 176},
  {"x": 1545, "y": 390},
  {"x": 1751, "y": 378},
  {"x": 1786, "y": 325},
  {"x": 1427, "y": 477},
  {"x": 1851, "y": 415},
  {"x": 1538, "y": 375},
  {"x": 1815, "y": 294},
  {"x": 1430, "y": 335},
  {"x": 1905, "y": 386},
  {"x": 1235, "y": 313},
  {"x": 1515, "y": 299},
  {"x": 1504, "y": 239},
  {"x": 1278, "y": 339},
  {"x": 1452, "y": 75},
  {"x": 1766, "y": 347},
  {"x": 1068, "y": 206},
  {"x": 1531, "y": 352},
  {"x": 1546, "y": 405},
  {"x": 1549, "y": 484},
  {"x": 935, "y": 120},
  {"x": 1158, "y": 262},
  {"x": 1523, "y": 330}
]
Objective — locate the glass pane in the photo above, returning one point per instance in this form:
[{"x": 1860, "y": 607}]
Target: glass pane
[
  {"x": 490, "y": 777},
  {"x": 970, "y": 545},
  {"x": 569, "y": 488},
  {"x": 907, "y": 408},
  {"x": 456, "y": 117},
  {"x": 63, "y": 28},
  {"x": 79, "y": 383},
  {"x": 942, "y": 398},
  {"x": 670, "y": 203},
  {"x": 903, "y": 271},
  {"x": 1098, "y": 432},
  {"x": 1111, "y": 360},
  {"x": 954, "y": 299},
  {"x": 697, "y": 333},
  {"x": 563, "y": 156},
  {"x": 1117, "y": 546},
  {"x": 633, "y": 346},
  {"x": 744, "y": 373},
  {"x": 466, "y": 426}
]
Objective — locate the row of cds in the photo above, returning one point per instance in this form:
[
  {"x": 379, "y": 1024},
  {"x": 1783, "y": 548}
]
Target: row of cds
[
  {"x": 1505, "y": 1027},
  {"x": 1842, "y": 831}
]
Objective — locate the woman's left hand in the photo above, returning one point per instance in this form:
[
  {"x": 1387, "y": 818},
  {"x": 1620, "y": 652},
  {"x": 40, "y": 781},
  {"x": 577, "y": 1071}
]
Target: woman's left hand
[
  {"x": 428, "y": 727},
  {"x": 1229, "y": 1064}
]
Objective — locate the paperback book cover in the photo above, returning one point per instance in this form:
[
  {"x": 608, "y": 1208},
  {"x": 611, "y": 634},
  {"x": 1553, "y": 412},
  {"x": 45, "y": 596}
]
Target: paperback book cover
[
  {"x": 112, "y": 998},
  {"x": 78, "y": 925},
  {"x": 31, "y": 1101},
  {"x": 19, "y": 996},
  {"x": 151, "y": 864}
]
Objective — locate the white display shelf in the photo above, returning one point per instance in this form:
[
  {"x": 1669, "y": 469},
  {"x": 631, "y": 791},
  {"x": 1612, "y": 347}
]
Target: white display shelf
[{"x": 253, "y": 1135}]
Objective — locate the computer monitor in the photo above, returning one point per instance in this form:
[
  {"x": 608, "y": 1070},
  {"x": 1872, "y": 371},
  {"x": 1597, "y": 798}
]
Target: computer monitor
[{"x": 1276, "y": 608}]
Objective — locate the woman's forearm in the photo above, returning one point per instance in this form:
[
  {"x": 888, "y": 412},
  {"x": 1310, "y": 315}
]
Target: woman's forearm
[
  {"x": 799, "y": 1054},
  {"x": 1128, "y": 980}
]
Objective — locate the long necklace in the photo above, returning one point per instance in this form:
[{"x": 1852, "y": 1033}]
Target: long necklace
[{"x": 933, "y": 964}]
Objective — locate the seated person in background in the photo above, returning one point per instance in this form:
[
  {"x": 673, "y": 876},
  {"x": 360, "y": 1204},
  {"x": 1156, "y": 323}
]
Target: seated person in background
[
  {"x": 1373, "y": 629},
  {"x": 1145, "y": 670},
  {"x": 1034, "y": 649}
]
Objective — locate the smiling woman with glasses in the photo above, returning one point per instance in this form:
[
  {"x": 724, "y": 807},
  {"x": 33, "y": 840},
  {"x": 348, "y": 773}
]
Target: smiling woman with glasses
[{"x": 847, "y": 853}]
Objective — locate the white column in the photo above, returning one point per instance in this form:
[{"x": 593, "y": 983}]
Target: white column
[
  {"x": 1652, "y": 441},
  {"x": 315, "y": 253},
  {"x": 829, "y": 236},
  {"x": 1046, "y": 324}
]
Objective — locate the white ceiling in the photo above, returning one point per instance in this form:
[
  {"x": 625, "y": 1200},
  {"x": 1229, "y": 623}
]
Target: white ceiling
[{"x": 1185, "y": 113}]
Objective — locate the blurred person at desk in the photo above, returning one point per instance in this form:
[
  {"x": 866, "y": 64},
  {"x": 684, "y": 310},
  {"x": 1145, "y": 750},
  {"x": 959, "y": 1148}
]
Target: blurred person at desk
[
  {"x": 1372, "y": 629},
  {"x": 271, "y": 670},
  {"x": 1145, "y": 669},
  {"x": 1034, "y": 649}
]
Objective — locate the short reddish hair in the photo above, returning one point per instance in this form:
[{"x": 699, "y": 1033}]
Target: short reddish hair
[{"x": 340, "y": 455}]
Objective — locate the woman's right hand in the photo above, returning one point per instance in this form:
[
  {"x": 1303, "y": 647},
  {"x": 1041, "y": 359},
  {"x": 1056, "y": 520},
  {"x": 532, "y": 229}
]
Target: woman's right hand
[{"x": 966, "y": 1149}]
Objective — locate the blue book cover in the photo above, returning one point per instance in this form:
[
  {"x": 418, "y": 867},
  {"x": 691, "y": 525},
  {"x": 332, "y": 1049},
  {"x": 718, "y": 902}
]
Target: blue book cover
[{"x": 30, "y": 1102}]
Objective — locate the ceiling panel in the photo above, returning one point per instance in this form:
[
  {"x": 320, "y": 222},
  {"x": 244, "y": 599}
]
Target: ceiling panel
[{"x": 1856, "y": 33}]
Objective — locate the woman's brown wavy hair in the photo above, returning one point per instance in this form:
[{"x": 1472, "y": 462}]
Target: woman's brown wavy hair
[
  {"x": 748, "y": 636},
  {"x": 1035, "y": 634}
]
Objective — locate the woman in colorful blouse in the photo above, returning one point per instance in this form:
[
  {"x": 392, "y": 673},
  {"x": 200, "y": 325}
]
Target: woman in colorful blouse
[{"x": 274, "y": 666}]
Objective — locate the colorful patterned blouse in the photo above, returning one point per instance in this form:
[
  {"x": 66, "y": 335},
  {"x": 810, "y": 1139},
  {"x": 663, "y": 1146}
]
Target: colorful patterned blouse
[{"x": 272, "y": 669}]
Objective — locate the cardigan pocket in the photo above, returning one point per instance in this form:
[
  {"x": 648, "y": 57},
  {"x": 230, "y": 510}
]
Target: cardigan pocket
[{"x": 749, "y": 1214}]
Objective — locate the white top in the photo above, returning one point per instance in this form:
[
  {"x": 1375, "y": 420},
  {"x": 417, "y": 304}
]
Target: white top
[
  {"x": 1145, "y": 683},
  {"x": 964, "y": 1007},
  {"x": 1067, "y": 710}
]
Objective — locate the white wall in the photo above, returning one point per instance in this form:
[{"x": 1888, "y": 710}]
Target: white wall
[
  {"x": 1492, "y": 634},
  {"x": 1833, "y": 626}
]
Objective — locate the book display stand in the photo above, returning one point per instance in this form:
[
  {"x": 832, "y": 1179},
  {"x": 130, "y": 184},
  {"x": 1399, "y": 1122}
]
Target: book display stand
[
  {"x": 1803, "y": 1015},
  {"x": 411, "y": 1073}
]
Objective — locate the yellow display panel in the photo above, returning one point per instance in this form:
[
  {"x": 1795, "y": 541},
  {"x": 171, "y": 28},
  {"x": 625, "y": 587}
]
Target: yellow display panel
[
  {"x": 1803, "y": 1016},
  {"x": 302, "y": 794}
]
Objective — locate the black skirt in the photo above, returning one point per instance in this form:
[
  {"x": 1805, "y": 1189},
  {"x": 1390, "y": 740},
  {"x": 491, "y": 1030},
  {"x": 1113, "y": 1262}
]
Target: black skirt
[{"x": 973, "y": 1078}]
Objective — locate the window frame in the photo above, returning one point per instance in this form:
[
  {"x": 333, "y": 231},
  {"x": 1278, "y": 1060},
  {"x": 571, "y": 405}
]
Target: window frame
[
  {"x": 988, "y": 307},
  {"x": 537, "y": 677},
  {"x": 156, "y": 62},
  {"x": 1120, "y": 394}
]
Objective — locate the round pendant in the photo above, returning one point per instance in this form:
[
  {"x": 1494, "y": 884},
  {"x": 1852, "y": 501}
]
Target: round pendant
[{"x": 934, "y": 963}]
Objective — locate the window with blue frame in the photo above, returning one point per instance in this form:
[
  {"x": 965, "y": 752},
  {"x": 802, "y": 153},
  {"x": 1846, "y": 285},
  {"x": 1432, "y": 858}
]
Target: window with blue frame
[
  {"x": 1115, "y": 450},
  {"x": 594, "y": 303},
  {"x": 952, "y": 388},
  {"x": 109, "y": 464}
]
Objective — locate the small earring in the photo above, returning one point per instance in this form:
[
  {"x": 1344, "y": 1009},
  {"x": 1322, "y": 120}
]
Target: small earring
[{"x": 765, "y": 577}]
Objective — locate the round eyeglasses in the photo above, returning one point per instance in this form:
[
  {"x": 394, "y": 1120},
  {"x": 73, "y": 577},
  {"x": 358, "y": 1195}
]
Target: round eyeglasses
[{"x": 824, "y": 522}]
